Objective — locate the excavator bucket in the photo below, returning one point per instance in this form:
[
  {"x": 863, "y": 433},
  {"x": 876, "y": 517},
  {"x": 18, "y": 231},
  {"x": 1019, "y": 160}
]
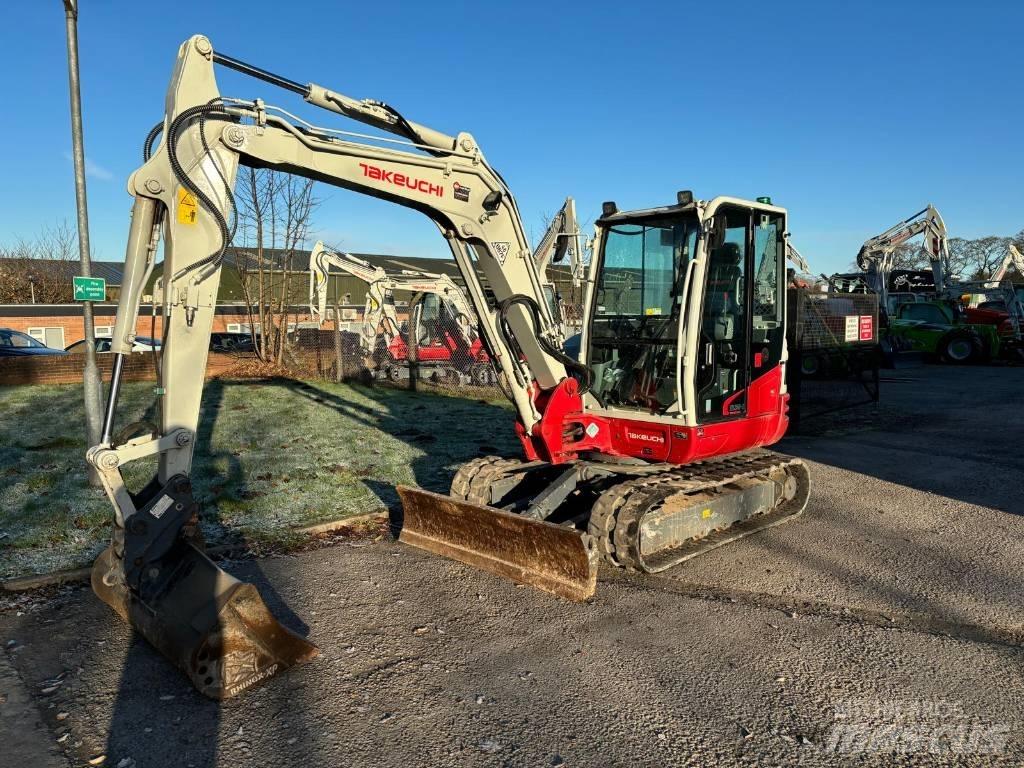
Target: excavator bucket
[
  {"x": 549, "y": 557},
  {"x": 212, "y": 626}
]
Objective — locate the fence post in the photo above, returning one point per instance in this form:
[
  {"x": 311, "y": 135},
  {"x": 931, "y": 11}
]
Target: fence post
[{"x": 339, "y": 372}]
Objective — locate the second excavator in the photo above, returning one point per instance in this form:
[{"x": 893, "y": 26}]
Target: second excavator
[
  {"x": 440, "y": 338},
  {"x": 645, "y": 452}
]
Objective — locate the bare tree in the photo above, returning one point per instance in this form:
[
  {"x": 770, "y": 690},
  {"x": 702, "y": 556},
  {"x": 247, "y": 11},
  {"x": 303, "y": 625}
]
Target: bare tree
[
  {"x": 34, "y": 270},
  {"x": 967, "y": 258},
  {"x": 274, "y": 213}
]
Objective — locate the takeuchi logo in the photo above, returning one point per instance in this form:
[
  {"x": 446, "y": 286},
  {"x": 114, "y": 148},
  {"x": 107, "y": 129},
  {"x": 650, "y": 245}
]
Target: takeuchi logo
[
  {"x": 401, "y": 180},
  {"x": 645, "y": 437}
]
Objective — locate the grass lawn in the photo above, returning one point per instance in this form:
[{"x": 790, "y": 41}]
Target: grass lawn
[{"x": 273, "y": 455}]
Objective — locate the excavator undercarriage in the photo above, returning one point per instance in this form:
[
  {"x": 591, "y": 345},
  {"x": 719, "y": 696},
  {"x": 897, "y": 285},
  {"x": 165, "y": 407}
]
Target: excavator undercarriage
[{"x": 644, "y": 517}]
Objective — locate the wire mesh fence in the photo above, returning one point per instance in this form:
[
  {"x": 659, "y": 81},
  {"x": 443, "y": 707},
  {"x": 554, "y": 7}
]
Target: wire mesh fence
[
  {"x": 433, "y": 353},
  {"x": 833, "y": 343},
  {"x": 834, "y": 354}
]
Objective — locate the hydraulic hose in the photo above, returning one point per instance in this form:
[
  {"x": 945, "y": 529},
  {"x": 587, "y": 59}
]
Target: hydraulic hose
[
  {"x": 147, "y": 145},
  {"x": 173, "y": 134},
  {"x": 581, "y": 372}
]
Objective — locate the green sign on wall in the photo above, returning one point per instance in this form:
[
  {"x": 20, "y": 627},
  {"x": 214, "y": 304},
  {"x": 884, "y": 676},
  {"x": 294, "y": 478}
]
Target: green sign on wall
[{"x": 89, "y": 288}]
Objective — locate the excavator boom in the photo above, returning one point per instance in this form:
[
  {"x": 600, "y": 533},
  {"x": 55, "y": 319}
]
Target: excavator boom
[{"x": 154, "y": 574}]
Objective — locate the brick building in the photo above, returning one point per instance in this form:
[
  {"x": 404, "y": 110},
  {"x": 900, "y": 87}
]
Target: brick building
[{"x": 60, "y": 325}]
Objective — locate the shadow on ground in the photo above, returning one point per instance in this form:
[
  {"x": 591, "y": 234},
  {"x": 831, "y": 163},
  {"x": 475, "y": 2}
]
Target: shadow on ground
[
  {"x": 155, "y": 699},
  {"x": 955, "y": 432}
]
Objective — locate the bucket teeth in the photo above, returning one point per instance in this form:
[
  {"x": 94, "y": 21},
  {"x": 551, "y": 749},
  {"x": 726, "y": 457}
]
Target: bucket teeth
[
  {"x": 213, "y": 627},
  {"x": 552, "y": 558}
]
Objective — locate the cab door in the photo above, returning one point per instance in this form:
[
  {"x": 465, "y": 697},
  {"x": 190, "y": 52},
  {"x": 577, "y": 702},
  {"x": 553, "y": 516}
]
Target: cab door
[
  {"x": 723, "y": 349},
  {"x": 743, "y": 319}
]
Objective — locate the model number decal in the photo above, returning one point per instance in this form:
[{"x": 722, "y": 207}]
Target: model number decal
[
  {"x": 501, "y": 251},
  {"x": 161, "y": 506},
  {"x": 401, "y": 180}
]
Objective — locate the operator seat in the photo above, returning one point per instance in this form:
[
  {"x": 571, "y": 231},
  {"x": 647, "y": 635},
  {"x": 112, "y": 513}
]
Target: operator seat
[{"x": 725, "y": 292}]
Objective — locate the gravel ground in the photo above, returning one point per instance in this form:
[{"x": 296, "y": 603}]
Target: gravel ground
[{"x": 880, "y": 628}]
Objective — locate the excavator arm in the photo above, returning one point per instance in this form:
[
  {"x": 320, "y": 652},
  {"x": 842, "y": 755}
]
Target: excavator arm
[
  {"x": 380, "y": 307},
  {"x": 562, "y": 238},
  {"x": 214, "y": 627},
  {"x": 876, "y": 255},
  {"x": 1013, "y": 259},
  {"x": 794, "y": 257}
]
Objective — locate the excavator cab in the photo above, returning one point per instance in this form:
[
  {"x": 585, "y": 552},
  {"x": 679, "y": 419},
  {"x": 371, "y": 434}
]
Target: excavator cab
[
  {"x": 645, "y": 304},
  {"x": 658, "y": 443}
]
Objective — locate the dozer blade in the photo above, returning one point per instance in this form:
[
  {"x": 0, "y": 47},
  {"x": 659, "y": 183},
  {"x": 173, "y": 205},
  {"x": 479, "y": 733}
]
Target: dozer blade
[
  {"x": 549, "y": 557},
  {"x": 212, "y": 626}
]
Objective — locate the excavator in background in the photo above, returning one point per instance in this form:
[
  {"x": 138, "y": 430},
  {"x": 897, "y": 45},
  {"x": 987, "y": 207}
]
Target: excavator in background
[
  {"x": 995, "y": 300},
  {"x": 970, "y": 332},
  {"x": 562, "y": 238},
  {"x": 877, "y": 255},
  {"x": 441, "y": 339},
  {"x": 647, "y": 451}
]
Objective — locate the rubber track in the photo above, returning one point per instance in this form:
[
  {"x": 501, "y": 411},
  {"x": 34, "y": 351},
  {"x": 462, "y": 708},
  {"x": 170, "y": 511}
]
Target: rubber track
[
  {"x": 615, "y": 518},
  {"x": 617, "y": 515}
]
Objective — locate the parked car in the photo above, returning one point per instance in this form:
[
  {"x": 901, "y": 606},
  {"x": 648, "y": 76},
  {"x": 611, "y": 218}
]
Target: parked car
[
  {"x": 231, "y": 342},
  {"x": 142, "y": 344},
  {"x": 17, "y": 344}
]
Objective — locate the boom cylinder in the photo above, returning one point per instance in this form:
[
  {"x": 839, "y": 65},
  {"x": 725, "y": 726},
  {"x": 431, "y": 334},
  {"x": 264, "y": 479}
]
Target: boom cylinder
[{"x": 137, "y": 259}]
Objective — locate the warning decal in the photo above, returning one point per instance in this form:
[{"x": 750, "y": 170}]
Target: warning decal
[
  {"x": 501, "y": 250},
  {"x": 867, "y": 332},
  {"x": 851, "y": 328},
  {"x": 188, "y": 210}
]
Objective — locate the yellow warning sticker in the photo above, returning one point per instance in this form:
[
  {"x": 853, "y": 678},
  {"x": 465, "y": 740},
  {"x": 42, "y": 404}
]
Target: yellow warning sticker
[{"x": 188, "y": 210}]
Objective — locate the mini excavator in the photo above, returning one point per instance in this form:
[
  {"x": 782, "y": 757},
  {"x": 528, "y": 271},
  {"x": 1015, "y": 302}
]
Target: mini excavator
[
  {"x": 647, "y": 451},
  {"x": 440, "y": 338}
]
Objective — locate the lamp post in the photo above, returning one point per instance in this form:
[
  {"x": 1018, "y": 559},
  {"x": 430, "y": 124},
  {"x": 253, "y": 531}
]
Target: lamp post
[{"x": 91, "y": 375}]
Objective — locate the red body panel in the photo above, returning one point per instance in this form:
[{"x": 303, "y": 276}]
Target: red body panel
[
  {"x": 565, "y": 430},
  {"x": 434, "y": 353}
]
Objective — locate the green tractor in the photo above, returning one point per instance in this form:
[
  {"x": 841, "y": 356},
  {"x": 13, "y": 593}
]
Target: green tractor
[{"x": 936, "y": 329}]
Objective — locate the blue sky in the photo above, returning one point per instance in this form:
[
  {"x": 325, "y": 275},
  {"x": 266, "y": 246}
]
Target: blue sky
[{"x": 852, "y": 116}]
